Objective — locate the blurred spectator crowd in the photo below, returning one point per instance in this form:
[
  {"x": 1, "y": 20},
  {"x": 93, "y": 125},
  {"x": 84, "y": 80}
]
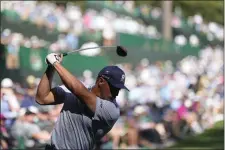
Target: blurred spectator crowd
[
  {"x": 166, "y": 103},
  {"x": 24, "y": 123},
  {"x": 13, "y": 41},
  {"x": 71, "y": 22}
]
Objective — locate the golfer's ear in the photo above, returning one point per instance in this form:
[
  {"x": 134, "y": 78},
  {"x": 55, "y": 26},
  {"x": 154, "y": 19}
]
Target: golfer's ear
[
  {"x": 99, "y": 80},
  {"x": 102, "y": 81}
]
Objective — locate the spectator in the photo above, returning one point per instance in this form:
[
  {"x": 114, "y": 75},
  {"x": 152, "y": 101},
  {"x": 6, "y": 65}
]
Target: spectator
[
  {"x": 180, "y": 40},
  {"x": 4, "y": 136},
  {"x": 9, "y": 104},
  {"x": 12, "y": 58},
  {"x": 72, "y": 41},
  {"x": 28, "y": 94},
  {"x": 25, "y": 128},
  {"x": 194, "y": 41},
  {"x": 88, "y": 78},
  {"x": 146, "y": 127}
]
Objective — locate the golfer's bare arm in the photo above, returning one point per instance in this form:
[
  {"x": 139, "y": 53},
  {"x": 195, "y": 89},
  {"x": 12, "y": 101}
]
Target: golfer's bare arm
[
  {"x": 76, "y": 87},
  {"x": 44, "y": 95}
]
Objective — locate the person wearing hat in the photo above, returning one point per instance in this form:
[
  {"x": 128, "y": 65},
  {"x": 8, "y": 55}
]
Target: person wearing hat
[
  {"x": 4, "y": 136},
  {"x": 25, "y": 128},
  {"x": 9, "y": 102},
  {"x": 88, "y": 113}
]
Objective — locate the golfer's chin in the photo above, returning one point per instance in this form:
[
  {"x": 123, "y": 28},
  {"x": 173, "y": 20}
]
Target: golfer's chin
[{"x": 108, "y": 98}]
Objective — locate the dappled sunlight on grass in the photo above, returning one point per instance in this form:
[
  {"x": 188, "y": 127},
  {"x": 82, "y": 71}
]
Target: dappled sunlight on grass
[{"x": 211, "y": 138}]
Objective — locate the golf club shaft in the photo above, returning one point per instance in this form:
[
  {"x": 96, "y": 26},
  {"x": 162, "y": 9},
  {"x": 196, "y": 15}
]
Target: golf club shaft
[{"x": 82, "y": 49}]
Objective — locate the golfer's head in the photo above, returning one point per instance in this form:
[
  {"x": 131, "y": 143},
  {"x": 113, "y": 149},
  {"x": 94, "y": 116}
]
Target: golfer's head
[{"x": 110, "y": 80}]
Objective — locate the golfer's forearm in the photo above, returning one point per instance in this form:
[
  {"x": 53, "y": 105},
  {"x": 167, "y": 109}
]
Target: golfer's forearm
[
  {"x": 44, "y": 86},
  {"x": 71, "y": 82}
]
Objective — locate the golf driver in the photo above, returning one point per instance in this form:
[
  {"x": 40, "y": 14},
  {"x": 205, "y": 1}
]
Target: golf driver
[{"x": 121, "y": 51}]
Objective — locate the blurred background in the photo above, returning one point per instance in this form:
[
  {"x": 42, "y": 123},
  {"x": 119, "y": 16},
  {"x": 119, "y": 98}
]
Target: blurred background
[{"x": 174, "y": 67}]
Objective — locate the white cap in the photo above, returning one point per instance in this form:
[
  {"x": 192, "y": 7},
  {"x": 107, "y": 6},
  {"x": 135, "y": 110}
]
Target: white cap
[
  {"x": 33, "y": 109},
  {"x": 6, "y": 83},
  {"x": 30, "y": 79},
  {"x": 144, "y": 62},
  {"x": 140, "y": 110},
  {"x": 87, "y": 73}
]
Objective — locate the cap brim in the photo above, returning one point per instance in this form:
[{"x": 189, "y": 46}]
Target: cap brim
[{"x": 120, "y": 86}]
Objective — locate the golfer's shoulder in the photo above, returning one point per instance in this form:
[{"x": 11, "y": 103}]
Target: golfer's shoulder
[
  {"x": 63, "y": 87},
  {"x": 64, "y": 93},
  {"x": 107, "y": 103},
  {"x": 111, "y": 107}
]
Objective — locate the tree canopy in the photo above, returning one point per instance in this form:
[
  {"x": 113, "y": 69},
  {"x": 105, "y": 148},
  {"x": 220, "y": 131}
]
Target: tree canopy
[{"x": 210, "y": 10}]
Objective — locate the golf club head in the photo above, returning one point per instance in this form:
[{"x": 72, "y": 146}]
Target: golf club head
[
  {"x": 121, "y": 51},
  {"x": 65, "y": 54}
]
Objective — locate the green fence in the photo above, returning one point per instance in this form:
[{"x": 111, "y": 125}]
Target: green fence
[
  {"x": 141, "y": 47},
  {"x": 32, "y": 62}
]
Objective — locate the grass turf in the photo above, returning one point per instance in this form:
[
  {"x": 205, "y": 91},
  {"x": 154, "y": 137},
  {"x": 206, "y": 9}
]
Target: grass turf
[{"x": 211, "y": 139}]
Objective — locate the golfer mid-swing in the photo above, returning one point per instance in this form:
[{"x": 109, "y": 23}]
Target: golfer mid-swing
[{"x": 87, "y": 114}]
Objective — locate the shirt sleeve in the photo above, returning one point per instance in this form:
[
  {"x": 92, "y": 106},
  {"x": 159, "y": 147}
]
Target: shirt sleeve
[
  {"x": 106, "y": 115},
  {"x": 60, "y": 94}
]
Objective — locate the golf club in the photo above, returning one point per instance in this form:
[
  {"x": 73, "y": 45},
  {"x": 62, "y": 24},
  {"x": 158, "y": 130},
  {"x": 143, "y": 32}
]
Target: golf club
[{"x": 121, "y": 51}]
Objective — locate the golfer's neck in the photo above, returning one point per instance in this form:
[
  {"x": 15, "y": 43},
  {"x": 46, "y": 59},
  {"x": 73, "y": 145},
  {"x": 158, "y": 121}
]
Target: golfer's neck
[{"x": 96, "y": 91}]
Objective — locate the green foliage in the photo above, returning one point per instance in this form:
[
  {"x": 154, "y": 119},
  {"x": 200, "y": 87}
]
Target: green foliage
[{"x": 210, "y": 10}]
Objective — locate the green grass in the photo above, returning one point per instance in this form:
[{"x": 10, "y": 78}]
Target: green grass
[{"x": 211, "y": 139}]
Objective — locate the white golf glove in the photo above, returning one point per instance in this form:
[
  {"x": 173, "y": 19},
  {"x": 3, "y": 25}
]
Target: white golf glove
[{"x": 53, "y": 58}]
